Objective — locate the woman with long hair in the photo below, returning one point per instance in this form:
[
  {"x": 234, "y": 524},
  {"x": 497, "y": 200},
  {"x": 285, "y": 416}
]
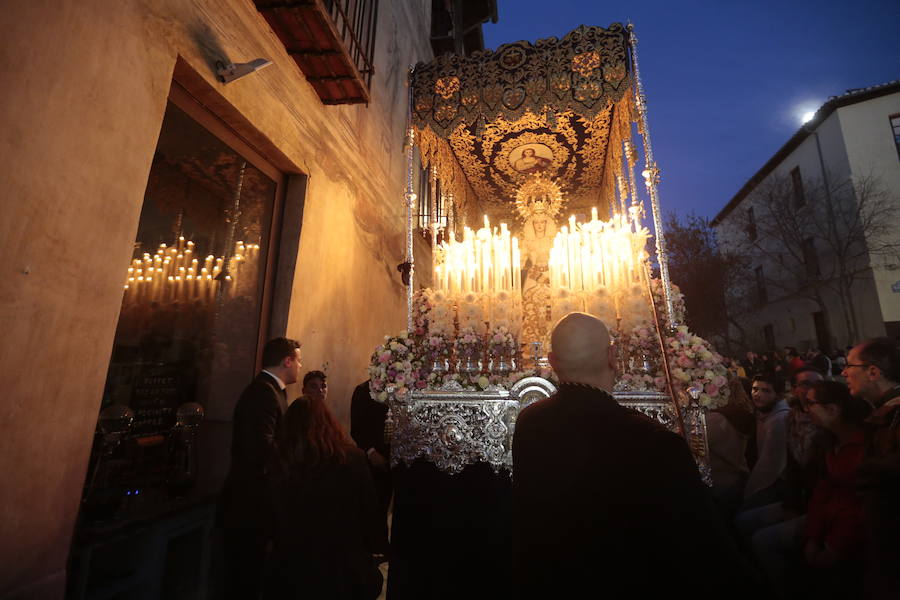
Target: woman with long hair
[
  {"x": 326, "y": 523},
  {"x": 833, "y": 536}
]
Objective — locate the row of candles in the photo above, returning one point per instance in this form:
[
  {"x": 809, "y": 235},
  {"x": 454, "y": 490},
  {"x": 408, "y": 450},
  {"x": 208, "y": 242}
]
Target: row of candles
[
  {"x": 486, "y": 261},
  {"x": 175, "y": 273},
  {"x": 598, "y": 253}
]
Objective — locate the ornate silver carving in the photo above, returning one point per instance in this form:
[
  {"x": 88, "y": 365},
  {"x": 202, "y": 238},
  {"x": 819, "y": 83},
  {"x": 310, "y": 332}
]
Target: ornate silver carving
[
  {"x": 655, "y": 405},
  {"x": 453, "y": 427},
  {"x": 531, "y": 389}
]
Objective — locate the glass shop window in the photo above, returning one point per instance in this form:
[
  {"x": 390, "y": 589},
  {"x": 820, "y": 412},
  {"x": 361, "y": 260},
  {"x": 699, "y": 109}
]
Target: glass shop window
[{"x": 192, "y": 305}]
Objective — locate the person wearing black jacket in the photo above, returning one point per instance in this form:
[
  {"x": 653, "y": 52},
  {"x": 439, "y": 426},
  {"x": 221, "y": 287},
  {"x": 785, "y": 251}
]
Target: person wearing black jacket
[
  {"x": 367, "y": 419},
  {"x": 324, "y": 510},
  {"x": 245, "y": 510},
  {"x": 606, "y": 499}
]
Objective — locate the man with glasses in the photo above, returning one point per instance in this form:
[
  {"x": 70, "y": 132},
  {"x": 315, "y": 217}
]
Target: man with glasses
[{"x": 873, "y": 373}]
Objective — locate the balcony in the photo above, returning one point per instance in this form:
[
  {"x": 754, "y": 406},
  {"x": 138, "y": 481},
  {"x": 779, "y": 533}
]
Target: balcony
[{"x": 332, "y": 41}]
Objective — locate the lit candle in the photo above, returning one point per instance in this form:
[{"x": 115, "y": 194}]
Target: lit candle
[{"x": 517, "y": 267}]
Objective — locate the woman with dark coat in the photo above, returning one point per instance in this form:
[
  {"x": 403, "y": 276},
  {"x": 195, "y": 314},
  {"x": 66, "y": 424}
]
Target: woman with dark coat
[{"x": 326, "y": 522}]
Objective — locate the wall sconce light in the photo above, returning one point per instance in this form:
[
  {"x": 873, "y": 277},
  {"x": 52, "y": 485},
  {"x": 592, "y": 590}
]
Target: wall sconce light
[{"x": 231, "y": 72}]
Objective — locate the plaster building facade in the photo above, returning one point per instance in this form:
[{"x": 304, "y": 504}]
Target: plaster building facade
[
  {"x": 846, "y": 157},
  {"x": 117, "y": 135}
]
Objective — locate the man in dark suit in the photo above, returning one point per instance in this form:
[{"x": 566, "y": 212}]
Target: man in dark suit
[
  {"x": 245, "y": 512},
  {"x": 367, "y": 419},
  {"x": 607, "y": 502}
]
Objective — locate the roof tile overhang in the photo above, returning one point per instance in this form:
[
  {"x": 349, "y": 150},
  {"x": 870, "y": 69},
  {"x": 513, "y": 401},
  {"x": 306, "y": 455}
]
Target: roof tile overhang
[{"x": 311, "y": 37}]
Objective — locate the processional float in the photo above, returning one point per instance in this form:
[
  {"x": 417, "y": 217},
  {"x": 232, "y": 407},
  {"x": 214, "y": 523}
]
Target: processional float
[{"x": 521, "y": 137}]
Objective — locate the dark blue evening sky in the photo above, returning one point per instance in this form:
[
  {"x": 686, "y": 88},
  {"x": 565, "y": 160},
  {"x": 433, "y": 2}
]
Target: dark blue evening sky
[{"x": 726, "y": 81}]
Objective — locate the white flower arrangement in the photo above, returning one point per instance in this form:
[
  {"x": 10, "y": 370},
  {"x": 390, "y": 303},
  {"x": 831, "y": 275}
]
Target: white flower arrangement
[
  {"x": 563, "y": 302},
  {"x": 442, "y": 315},
  {"x": 470, "y": 311}
]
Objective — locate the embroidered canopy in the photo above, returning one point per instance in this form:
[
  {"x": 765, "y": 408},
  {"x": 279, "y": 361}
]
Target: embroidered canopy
[{"x": 561, "y": 108}]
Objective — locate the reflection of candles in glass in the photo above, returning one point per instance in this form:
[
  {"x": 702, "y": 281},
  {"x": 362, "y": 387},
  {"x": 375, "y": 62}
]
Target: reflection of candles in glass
[{"x": 173, "y": 274}]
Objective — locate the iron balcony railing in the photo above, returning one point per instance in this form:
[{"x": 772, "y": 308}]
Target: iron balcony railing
[{"x": 355, "y": 21}]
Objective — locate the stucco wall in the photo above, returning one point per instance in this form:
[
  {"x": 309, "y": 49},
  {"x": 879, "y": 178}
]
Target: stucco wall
[
  {"x": 83, "y": 87},
  {"x": 870, "y": 144}
]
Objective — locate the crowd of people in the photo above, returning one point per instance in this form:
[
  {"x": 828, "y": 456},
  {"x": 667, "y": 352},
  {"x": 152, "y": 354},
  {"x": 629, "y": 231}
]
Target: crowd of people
[
  {"x": 804, "y": 502},
  {"x": 806, "y": 466},
  {"x": 781, "y": 363}
]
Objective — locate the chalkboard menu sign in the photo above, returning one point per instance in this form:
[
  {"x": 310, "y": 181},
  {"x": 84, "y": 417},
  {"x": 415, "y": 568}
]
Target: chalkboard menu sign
[{"x": 156, "y": 395}]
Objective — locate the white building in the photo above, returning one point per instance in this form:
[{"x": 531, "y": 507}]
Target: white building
[{"x": 783, "y": 221}]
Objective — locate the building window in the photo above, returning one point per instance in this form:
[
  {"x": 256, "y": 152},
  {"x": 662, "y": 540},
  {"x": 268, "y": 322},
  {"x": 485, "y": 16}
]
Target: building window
[
  {"x": 797, "y": 182},
  {"x": 751, "y": 225},
  {"x": 811, "y": 258},
  {"x": 761, "y": 293},
  {"x": 895, "y": 128}
]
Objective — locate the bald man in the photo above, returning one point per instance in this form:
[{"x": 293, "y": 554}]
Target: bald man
[{"x": 607, "y": 502}]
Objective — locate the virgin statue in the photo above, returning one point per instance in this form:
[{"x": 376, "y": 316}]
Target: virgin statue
[{"x": 537, "y": 239}]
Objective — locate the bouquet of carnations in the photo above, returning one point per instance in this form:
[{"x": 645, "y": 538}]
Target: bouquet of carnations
[
  {"x": 501, "y": 342},
  {"x": 395, "y": 368},
  {"x": 695, "y": 365}
]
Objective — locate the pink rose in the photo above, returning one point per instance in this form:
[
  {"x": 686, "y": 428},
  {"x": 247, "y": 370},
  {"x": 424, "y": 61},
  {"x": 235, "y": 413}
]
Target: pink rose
[
  {"x": 712, "y": 389},
  {"x": 384, "y": 357}
]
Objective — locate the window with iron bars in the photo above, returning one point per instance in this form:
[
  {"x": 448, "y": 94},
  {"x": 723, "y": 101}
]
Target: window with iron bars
[{"x": 434, "y": 206}]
